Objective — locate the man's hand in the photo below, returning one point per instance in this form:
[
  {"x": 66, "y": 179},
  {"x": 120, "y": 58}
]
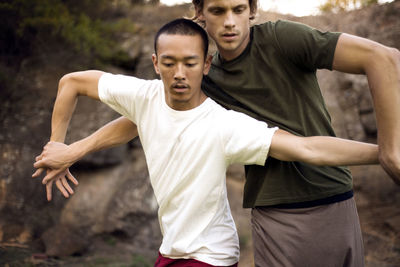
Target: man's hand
[
  {"x": 55, "y": 155},
  {"x": 61, "y": 183},
  {"x": 56, "y": 158}
]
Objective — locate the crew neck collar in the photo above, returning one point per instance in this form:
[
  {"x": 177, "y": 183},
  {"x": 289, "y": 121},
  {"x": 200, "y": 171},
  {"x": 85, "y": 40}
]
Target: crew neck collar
[{"x": 185, "y": 113}]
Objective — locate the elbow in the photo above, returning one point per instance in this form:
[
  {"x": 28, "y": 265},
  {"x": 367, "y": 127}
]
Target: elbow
[
  {"x": 395, "y": 58},
  {"x": 392, "y": 57},
  {"x": 311, "y": 155},
  {"x": 65, "y": 82},
  {"x": 314, "y": 159},
  {"x": 395, "y": 54},
  {"x": 383, "y": 58},
  {"x": 70, "y": 82}
]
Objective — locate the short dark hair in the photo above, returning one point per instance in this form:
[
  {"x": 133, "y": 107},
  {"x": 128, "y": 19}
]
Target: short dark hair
[
  {"x": 183, "y": 27},
  {"x": 199, "y": 4}
]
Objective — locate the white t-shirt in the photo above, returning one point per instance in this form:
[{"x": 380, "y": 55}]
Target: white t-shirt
[{"x": 187, "y": 154}]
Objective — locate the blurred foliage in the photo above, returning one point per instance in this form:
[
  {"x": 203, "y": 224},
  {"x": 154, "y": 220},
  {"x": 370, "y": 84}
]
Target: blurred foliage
[
  {"x": 342, "y": 5},
  {"x": 140, "y": 261},
  {"x": 84, "y": 26}
]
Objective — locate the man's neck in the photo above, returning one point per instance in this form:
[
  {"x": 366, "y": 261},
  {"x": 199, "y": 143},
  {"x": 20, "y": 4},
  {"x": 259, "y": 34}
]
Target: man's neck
[
  {"x": 229, "y": 55},
  {"x": 187, "y": 105}
]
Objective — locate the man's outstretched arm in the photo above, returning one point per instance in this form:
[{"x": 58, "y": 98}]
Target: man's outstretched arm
[
  {"x": 322, "y": 150},
  {"x": 381, "y": 64}
]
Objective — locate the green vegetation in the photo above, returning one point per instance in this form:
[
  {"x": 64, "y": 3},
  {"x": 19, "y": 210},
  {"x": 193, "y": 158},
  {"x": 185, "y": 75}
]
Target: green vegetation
[
  {"x": 87, "y": 27},
  {"x": 140, "y": 261},
  {"x": 342, "y": 5}
]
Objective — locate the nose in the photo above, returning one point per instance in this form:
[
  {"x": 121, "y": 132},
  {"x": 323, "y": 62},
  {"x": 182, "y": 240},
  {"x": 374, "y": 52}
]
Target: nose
[
  {"x": 179, "y": 72},
  {"x": 229, "y": 20}
]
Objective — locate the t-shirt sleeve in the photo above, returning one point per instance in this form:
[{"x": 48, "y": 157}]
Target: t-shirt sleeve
[
  {"x": 305, "y": 46},
  {"x": 123, "y": 93},
  {"x": 245, "y": 139}
]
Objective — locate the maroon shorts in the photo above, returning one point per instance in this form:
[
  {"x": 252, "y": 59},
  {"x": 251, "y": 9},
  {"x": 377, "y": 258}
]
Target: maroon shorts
[{"x": 167, "y": 262}]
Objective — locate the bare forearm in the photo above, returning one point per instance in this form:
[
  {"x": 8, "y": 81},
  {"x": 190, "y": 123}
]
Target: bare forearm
[
  {"x": 322, "y": 150},
  {"x": 332, "y": 151},
  {"x": 384, "y": 82},
  {"x": 117, "y": 132},
  {"x": 64, "y": 107}
]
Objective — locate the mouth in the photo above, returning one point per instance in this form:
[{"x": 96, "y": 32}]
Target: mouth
[
  {"x": 229, "y": 36},
  {"x": 180, "y": 87}
]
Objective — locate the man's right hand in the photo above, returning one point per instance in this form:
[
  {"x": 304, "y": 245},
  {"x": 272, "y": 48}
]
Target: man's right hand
[{"x": 55, "y": 158}]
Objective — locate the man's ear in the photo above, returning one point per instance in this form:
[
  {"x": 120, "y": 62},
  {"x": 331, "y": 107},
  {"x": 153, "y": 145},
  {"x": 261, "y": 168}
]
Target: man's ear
[
  {"x": 155, "y": 63},
  {"x": 252, "y": 15},
  {"x": 207, "y": 64},
  {"x": 199, "y": 14}
]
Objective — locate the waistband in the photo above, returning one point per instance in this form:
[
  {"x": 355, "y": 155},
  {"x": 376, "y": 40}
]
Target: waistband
[{"x": 317, "y": 202}]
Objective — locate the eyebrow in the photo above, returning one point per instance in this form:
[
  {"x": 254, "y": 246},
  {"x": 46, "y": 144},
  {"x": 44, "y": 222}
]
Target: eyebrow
[
  {"x": 240, "y": 6},
  {"x": 174, "y": 58},
  {"x": 216, "y": 7}
]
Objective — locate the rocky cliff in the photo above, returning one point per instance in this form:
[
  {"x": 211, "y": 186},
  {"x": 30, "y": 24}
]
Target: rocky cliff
[{"x": 112, "y": 217}]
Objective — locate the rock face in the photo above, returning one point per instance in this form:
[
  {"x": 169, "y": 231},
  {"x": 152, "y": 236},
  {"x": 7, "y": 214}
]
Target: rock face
[{"x": 114, "y": 201}]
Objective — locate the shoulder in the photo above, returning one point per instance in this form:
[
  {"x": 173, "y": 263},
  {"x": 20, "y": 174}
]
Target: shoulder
[
  {"x": 263, "y": 33},
  {"x": 272, "y": 28},
  {"x": 281, "y": 33},
  {"x": 295, "y": 32},
  {"x": 124, "y": 83},
  {"x": 126, "y": 80},
  {"x": 229, "y": 120}
]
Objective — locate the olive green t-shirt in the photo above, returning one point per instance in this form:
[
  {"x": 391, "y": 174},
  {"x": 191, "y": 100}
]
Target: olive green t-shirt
[{"x": 274, "y": 80}]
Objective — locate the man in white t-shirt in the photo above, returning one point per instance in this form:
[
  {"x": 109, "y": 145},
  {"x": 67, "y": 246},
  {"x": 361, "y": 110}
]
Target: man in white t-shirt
[{"x": 189, "y": 141}]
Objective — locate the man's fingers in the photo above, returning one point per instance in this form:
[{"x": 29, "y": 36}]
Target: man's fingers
[
  {"x": 71, "y": 177},
  {"x": 39, "y": 164},
  {"x": 50, "y": 176},
  {"x": 66, "y": 185},
  {"x": 37, "y": 173},
  {"x": 61, "y": 188},
  {"x": 49, "y": 187}
]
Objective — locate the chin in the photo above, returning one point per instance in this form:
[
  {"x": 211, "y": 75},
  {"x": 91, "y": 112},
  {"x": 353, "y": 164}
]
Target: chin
[{"x": 231, "y": 46}]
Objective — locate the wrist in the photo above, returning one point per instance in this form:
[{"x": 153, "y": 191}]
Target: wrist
[
  {"x": 55, "y": 137},
  {"x": 77, "y": 151}
]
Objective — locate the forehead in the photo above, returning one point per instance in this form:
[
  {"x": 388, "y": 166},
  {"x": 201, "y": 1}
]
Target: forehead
[
  {"x": 178, "y": 45},
  {"x": 225, "y": 3}
]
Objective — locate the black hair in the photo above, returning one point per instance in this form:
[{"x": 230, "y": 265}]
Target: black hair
[{"x": 183, "y": 27}]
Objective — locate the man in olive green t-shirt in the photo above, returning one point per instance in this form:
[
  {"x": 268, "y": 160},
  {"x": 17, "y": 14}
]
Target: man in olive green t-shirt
[{"x": 269, "y": 72}]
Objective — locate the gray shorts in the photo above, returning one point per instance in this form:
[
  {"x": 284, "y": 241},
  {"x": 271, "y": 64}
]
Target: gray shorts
[{"x": 322, "y": 236}]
